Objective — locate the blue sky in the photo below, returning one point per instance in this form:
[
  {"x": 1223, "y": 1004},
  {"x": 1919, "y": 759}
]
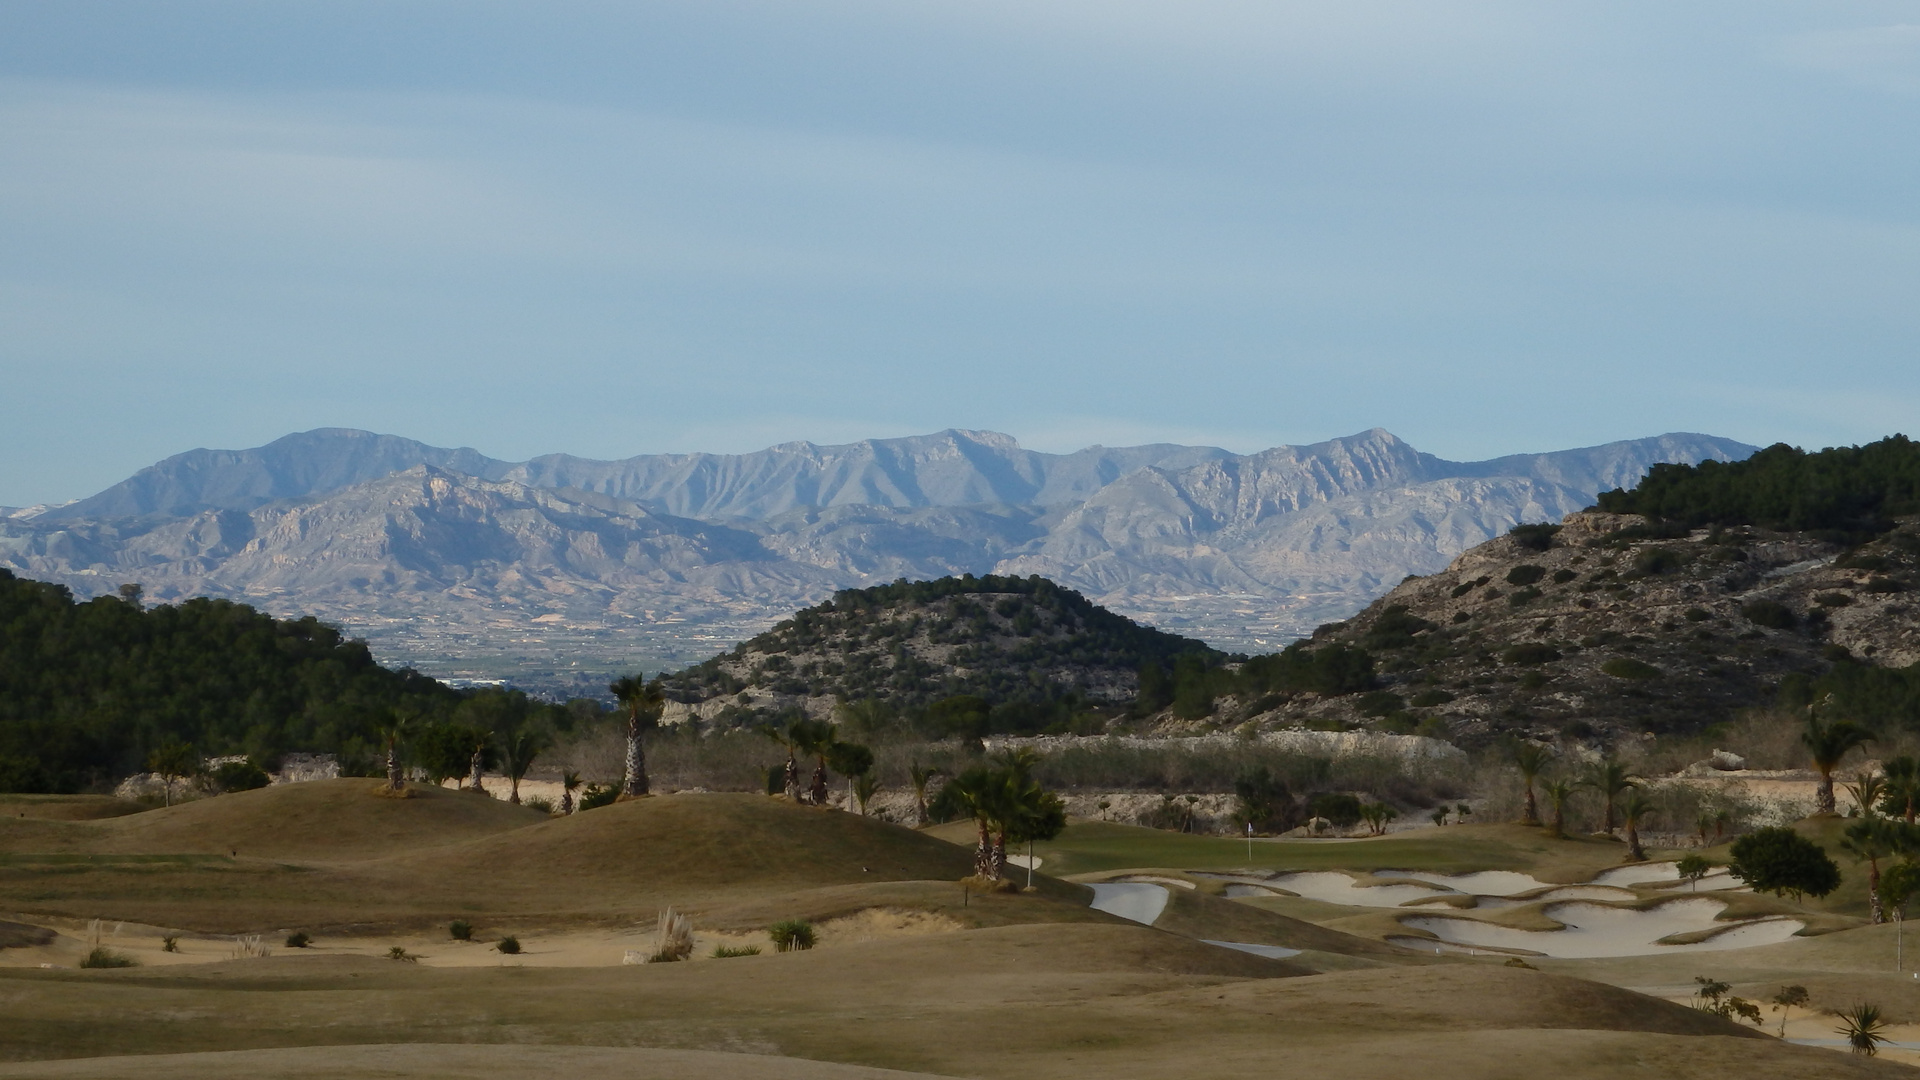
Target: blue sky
[{"x": 612, "y": 229}]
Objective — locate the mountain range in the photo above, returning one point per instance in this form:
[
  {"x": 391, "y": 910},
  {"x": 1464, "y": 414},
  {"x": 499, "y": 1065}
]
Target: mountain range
[{"x": 556, "y": 570}]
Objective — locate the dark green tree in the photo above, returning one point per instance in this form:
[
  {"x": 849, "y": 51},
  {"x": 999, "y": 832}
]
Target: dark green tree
[{"x": 1778, "y": 860}]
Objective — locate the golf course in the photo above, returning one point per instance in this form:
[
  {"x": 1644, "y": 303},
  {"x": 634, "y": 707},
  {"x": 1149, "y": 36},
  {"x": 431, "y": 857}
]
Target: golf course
[{"x": 329, "y": 929}]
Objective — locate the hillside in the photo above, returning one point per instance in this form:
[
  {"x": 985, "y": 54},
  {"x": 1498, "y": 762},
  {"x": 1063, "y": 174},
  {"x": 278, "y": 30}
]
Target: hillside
[
  {"x": 1003, "y": 640},
  {"x": 1612, "y": 625},
  {"x": 558, "y": 570}
]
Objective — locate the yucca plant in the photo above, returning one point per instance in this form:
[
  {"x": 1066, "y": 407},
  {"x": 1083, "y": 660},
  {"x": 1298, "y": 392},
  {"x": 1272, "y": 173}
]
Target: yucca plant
[
  {"x": 1863, "y": 1027},
  {"x": 792, "y": 935}
]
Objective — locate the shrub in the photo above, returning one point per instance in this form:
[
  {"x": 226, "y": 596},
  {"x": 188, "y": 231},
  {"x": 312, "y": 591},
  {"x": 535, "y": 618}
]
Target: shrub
[
  {"x": 1695, "y": 614},
  {"x": 1771, "y": 614},
  {"x": 1884, "y": 585},
  {"x": 1524, "y": 597},
  {"x": 1427, "y": 699},
  {"x": 299, "y": 939},
  {"x": 1394, "y": 629},
  {"x": 1626, "y": 667},
  {"x": 1462, "y": 616},
  {"x": 1379, "y": 702},
  {"x": 460, "y": 930},
  {"x": 399, "y": 952},
  {"x": 597, "y": 795},
  {"x": 1658, "y": 560},
  {"x": 1780, "y": 861},
  {"x": 538, "y": 802},
  {"x": 1530, "y": 654},
  {"x": 1534, "y": 537},
  {"x": 792, "y": 935},
  {"x": 509, "y": 945},
  {"x": 1525, "y": 574},
  {"x": 1833, "y": 599},
  {"x": 170, "y": 943},
  {"x": 1563, "y": 575},
  {"x": 239, "y": 776},
  {"x": 724, "y": 952},
  {"x": 1336, "y": 806},
  {"x": 102, "y": 957}
]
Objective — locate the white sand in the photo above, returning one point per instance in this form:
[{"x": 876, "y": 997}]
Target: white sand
[
  {"x": 1025, "y": 862},
  {"x": 1178, "y": 883},
  {"x": 1480, "y": 883},
  {"x": 1135, "y": 900},
  {"x": 1337, "y": 888},
  {"x": 1638, "y": 874},
  {"x": 1593, "y": 930}
]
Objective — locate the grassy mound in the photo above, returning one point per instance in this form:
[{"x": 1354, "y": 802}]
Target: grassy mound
[
  {"x": 675, "y": 849},
  {"x": 323, "y": 821},
  {"x": 66, "y": 807}
]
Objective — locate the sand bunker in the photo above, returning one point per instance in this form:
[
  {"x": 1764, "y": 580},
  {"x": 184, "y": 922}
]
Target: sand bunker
[
  {"x": 1178, "y": 883},
  {"x": 1135, "y": 900},
  {"x": 1480, "y": 883},
  {"x": 1593, "y": 930},
  {"x": 1271, "y": 952},
  {"x": 1336, "y": 888}
]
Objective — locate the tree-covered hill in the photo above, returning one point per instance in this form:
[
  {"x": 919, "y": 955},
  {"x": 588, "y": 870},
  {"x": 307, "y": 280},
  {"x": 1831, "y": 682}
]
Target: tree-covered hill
[
  {"x": 1843, "y": 490},
  {"x": 1002, "y": 640},
  {"x": 87, "y": 690}
]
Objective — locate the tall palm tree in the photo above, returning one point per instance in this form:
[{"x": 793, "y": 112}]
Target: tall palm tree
[
  {"x": 1559, "y": 793},
  {"x": 643, "y": 701},
  {"x": 921, "y": 775},
  {"x": 1870, "y": 839},
  {"x": 521, "y": 748},
  {"x": 569, "y": 783},
  {"x": 399, "y": 725},
  {"x": 865, "y": 787},
  {"x": 1827, "y": 743},
  {"x": 974, "y": 791},
  {"x": 1611, "y": 779},
  {"x": 814, "y": 738},
  {"x": 1531, "y": 759},
  {"x": 790, "y": 785},
  {"x": 1903, "y": 787},
  {"x": 1634, "y": 810}
]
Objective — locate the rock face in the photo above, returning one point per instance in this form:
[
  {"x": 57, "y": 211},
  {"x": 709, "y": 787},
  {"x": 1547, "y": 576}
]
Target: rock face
[
  {"x": 1608, "y": 628},
  {"x": 532, "y": 568}
]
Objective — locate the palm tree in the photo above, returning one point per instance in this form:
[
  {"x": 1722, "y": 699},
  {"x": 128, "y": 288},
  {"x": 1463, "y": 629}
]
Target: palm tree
[
  {"x": 569, "y": 783},
  {"x": 1531, "y": 759},
  {"x": 1636, "y": 809},
  {"x": 399, "y": 725},
  {"x": 1376, "y": 815},
  {"x": 1867, "y": 790},
  {"x": 477, "y": 764},
  {"x": 1610, "y": 778},
  {"x": 1871, "y": 840},
  {"x": 522, "y": 747},
  {"x": 865, "y": 786},
  {"x": 643, "y": 701},
  {"x": 921, "y": 775},
  {"x": 1862, "y": 1026},
  {"x": 1827, "y": 744},
  {"x": 781, "y": 738},
  {"x": 974, "y": 791},
  {"x": 1559, "y": 793},
  {"x": 1903, "y": 787},
  {"x": 814, "y": 738}
]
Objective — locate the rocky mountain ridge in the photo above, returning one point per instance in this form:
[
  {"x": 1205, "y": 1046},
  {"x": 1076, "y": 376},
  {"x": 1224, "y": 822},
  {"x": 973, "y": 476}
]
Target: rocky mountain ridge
[{"x": 439, "y": 555}]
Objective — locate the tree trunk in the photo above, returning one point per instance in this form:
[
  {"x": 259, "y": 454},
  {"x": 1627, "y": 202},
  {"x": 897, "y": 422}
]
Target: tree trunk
[
  {"x": 636, "y": 761},
  {"x": 920, "y": 809},
  {"x": 1873, "y": 892},
  {"x": 514, "y": 798},
  {"x": 394, "y": 781},
  {"x": 1634, "y": 852},
  {"x": 983, "y": 854},
  {"x": 999, "y": 855},
  {"x": 476, "y": 770},
  {"x": 1531, "y": 816},
  {"x": 1559, "y": 820},
  {"x": 1823, "y": 799},
  {"x": 791, "y": 784},
  {"x": 566, "y": 803},
  {"x": 1609, "y": 820},
  {"x": 818, "y": 790}
]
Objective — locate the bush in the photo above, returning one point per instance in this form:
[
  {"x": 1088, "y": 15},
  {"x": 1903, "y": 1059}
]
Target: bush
[
  {"x": 598, "y": 795},
  {"x": 460, "y": 930},
  {"x": 1695, "y": 614},
  {"x": 1658, "y": 560},
  {"x": 1530, "y": 654},
  {"x": 1780, "y": 861},
  {"x": 1394, "y": 629},
  {"x": 1534, "y": 537},
  {"x": 1524, "y": 597},
  {"x": 240, "y": 776},
  {"x": 724, "y": 952},
  {"x": 299, "y": 939},
  {"x": 1625, "y": 667},
  {"x": 1884, "y": 585},
  {"x": 1342, "y": 809},
  {"x": 1833, "y": 599},
  {"x": 1379, "y": 703},
  {"x": 1427, "y": 699},
  {"x": 509, "y": 945},
  {"x": 1525, "y": 574},
  {"x": 102, "y": 957},
  {"x": 792, "y": 935},
  {"x": 1771, "y": 614},
  {"x": 1563, "y": 575},
  {"x": 399, "y": 952},
  {"x": 538, "y": 802}
]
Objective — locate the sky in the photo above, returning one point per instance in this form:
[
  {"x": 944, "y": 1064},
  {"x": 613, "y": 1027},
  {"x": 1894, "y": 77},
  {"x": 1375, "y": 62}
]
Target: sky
[{"x": 614, "y": 228}]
